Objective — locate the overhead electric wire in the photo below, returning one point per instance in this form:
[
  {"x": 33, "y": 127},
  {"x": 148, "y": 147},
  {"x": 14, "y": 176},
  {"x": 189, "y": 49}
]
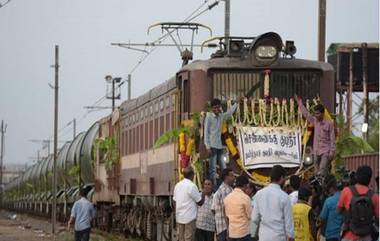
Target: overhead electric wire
[{"x": 142, "y": 58}]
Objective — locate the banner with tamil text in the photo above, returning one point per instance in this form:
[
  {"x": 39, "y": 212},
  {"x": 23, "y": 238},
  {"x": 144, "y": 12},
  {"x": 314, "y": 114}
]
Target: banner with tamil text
[{"x": 268, "y": 146}]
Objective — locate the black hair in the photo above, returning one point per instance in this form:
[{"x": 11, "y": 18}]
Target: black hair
[
  {"x": 188, "y": 172},
  {"x": 363, "y": 175},
  {"x": 319, "y": 108},
  {"x": 252, "y": 186},
  {"x": 215, "y": 102},
  {"x": 331, "y": 182},
  {"x": 84, "y": 191},
  {"x": 207, "y": 179},
  {"x": 295, "y": 182},
  {"x": 304, "y": 192},
  {"x": 277, "y": 172},
  {"x": 377, "y": 181},
  {"x": 241, "y": 181},
  {"x": 225, "y": 173}
]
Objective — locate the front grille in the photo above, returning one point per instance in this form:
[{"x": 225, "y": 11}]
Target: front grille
[
  {"x": 285, "y": 84},
  {"x": 282, "y": 84},
  {"x": 233, "y": 85}
]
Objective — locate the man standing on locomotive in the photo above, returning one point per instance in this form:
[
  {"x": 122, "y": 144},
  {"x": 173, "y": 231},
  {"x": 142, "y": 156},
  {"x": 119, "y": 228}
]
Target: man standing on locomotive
[
  {"x": 212, "y": 137},
  {"x": 324, "y": 137}
]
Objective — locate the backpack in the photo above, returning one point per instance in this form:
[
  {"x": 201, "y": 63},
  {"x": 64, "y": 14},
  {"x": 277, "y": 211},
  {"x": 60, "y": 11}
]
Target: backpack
[{"x": 361, "y": 212}]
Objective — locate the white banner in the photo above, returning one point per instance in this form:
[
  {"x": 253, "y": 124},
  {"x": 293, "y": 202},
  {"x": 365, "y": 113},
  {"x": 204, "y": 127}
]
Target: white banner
[{"x": 268, "y": 146}]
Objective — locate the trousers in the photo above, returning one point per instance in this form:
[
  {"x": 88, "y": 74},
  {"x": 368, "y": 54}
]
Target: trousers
[
  {"x": 322, "y": 164},
  {"x": 216, "y": 157},
  {"x": 83, "y": 235},
  {"x": 186, "y": 232}
]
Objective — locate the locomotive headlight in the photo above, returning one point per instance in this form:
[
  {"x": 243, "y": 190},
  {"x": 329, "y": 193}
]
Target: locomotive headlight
[{"x": 266, "y": 52}]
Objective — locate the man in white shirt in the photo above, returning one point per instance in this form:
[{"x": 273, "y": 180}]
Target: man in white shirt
[
  {"x": 186, "y": 197},
  {"x": 295, "y": 182},
  {"x": 272, "y": 209}
]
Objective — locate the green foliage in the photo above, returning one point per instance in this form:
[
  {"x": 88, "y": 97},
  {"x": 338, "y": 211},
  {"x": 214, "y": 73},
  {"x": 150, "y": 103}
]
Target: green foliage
[
  {"x": 170, "y": 134},
  {"x": 348, "y": 144},
  {"x": 74, "y": 170},
  {"x": 108, "y": 150},
  {"x": 29, "y": 187},
  {"x": 373, "y": 122},
  {"x": 192, "y": 131}
]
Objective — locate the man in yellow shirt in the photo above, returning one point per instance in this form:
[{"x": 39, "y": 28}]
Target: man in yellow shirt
[
  {"x": 237, "y": 206},
  {"x": 304, "y": 228}
]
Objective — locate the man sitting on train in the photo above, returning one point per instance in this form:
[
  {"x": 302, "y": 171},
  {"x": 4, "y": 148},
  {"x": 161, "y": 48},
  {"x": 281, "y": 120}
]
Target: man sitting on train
[
  {"x": 212, "y": 137},
  {"x": 324, "y": 137}
]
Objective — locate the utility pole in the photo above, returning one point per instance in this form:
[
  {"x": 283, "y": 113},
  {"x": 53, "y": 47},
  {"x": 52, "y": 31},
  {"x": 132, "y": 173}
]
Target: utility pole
[
  {"x": 322, "y": 30},
  {"x": 129, "y": 86},
  {"x": 349, "y": 94},
  {"x": 54, "y": 206},
  {"x": 3, "y": 129},
  {"x": 227, "y": 15},
  {"x": 365, "y": 86}
]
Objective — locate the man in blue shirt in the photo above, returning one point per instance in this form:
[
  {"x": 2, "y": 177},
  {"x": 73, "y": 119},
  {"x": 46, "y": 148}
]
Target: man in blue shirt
[
  {"x": 212, "y": 136},
  {"x": 331, "y": 220},
  {"x": 82, "y": 213}
]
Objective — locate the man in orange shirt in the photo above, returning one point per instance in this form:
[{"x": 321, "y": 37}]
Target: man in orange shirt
[
  {"x": 237, "y": 206},
  {"x": 360, "y": 206}
]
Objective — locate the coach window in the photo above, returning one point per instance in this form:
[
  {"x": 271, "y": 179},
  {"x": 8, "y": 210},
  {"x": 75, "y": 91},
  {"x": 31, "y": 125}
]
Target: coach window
[
  {"x": 146, "y": 111},
  {"x": 173, "y": 99},
  {"x": 161, "y": 104},
  {"x": 167, "y": 101},
  {"x": 151, "y": 109},
  {"x": 156, "y": 105}
]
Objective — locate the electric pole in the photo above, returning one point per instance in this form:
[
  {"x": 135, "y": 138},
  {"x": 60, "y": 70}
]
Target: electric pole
[
  {"x": 227, "y": 15},
  {"x": 3, "y": 129},
  {"x": 321, "y": 30},
  {"x": 129, "y": 86},
  {"x": 54, "y": 206}
]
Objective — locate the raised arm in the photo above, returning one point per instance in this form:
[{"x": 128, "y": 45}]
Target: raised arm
[
  {"x": 304, "y": 111},
  {"x": 229, "y": 112}
]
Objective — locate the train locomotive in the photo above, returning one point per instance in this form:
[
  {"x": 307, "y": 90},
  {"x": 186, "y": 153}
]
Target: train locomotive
[{"x": 131, "y": 180}]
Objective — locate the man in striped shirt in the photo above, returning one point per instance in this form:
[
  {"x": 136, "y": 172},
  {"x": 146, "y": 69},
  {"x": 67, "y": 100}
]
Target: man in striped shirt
[
  {"x": 218, "y": 206},
  {"x": 205, "y": 224}
]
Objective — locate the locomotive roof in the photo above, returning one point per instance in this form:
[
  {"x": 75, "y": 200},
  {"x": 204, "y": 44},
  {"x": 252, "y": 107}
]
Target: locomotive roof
[
  {"x": 237, "y": 63},
  {"x": 219, "y": 63}
]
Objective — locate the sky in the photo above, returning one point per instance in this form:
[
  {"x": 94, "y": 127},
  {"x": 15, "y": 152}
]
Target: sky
[{"x": 29, "y": 30}]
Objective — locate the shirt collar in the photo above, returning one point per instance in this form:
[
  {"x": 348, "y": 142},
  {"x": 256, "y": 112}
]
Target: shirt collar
[
  {"x": 275, "y": 185},
  {"x": 214, "y": 115},
  {"x": 225, "y": 186}
]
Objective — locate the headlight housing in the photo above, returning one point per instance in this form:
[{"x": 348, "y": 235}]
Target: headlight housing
[{"x": 265, "y": 49}]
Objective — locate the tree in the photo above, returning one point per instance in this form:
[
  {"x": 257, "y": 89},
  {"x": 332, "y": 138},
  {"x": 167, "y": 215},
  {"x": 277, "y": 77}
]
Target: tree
[{"x": 373, "y": 122}]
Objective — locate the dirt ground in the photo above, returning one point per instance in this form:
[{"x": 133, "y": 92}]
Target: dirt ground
[{"x": 21, "y": 227}]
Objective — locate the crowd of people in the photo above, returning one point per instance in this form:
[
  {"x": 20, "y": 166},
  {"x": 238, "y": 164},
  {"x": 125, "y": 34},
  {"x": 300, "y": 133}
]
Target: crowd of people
[{"x": 236, "y": 212}]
